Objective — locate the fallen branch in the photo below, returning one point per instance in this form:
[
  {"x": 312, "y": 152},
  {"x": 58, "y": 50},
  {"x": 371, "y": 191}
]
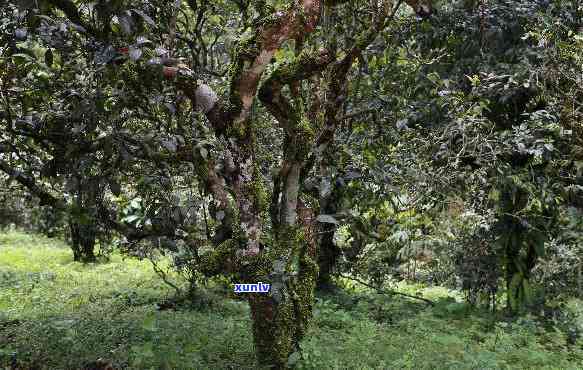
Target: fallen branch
[{"x": 390, "y": 292}]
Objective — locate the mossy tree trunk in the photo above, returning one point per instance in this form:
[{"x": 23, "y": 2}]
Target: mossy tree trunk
[
  {"x": 289, "y": 260},
  {"x": 231, "y": 173},
  {"x": 280, "y": 319}
]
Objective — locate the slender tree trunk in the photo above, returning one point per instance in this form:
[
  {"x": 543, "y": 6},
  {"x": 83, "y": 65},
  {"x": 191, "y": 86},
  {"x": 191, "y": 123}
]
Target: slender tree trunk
[
  {"x": 580, "y": 279},
  {"x": 327, "y": 257},
  {"x": 512, "y": 293},
  {"x": 328, "y": 252},
  {"x": 75, "y": 245}
]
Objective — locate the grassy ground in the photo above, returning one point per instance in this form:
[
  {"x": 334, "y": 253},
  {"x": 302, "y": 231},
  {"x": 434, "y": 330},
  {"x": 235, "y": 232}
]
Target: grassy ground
[{"x": 59, "y": 314}]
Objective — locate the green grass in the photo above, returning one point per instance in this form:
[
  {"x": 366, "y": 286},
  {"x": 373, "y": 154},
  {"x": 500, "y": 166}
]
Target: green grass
[{"x": 59, "y": 314}]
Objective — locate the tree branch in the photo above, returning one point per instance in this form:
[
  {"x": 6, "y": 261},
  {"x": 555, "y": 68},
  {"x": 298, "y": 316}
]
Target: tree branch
[
  {"x": 72, "y": 13},
  {"x": 304, "y": 66},
  {"x": 390, "y": 292},
  {"x": 255, "y": 53},
  {"x": 45, "y": 197}
]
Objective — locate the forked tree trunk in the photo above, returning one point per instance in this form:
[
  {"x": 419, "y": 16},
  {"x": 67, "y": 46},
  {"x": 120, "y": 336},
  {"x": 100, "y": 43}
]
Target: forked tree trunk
[{"x": 280, "y": 318}]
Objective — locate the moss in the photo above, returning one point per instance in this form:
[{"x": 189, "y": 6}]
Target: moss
[
  {"x": 280, "y": 323},
  {"x": 305, "y": 285},
  {"x": 237, "y": 130},
  {"x": 306, "y": 132},
  {"x": 300, "y": 142},
  {"x": 304, "y": 291},
  {"x": 295, "y": 312},
  {"x": 287, "y": 238},
  {"x": 300, "y": 135},
  {"x": 259, "y": 190},
  {"x": 254, "y": 268},
  {"x": 214, "y": 262},
  {"x": 273, "y": 330},
  {"x": 285, "y": 332},
  {"x": 273, "y": 16},
  {"x": 245, "y": 52},
  {"x": 247, "y": 48},
  {"x": 276, "y": 331}
]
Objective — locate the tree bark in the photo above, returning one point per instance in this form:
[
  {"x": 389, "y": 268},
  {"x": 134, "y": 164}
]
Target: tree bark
[
  {"x": 328, "y": 252},
  {"x": 327, "y": 258},
  {"x": 82, "y": 241},
  {"x": 280, "y": 319}
]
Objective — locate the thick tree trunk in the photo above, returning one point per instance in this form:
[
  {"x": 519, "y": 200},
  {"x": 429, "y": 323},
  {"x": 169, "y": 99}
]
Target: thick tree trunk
[
  {"x": 512, "y": 251},
  {"x": 518, "y": 278},
  {"x": 87, "y": 242},
  {"x": 83, "y": 224},
  {"x": 276, "y": 332},
  {"x": 280, "y": 318}
]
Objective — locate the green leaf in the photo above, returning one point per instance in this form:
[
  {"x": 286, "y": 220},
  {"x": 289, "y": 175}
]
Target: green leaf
[
  {"x": 494, "y": 194},
  {"x": 203, "y": 152},
  {"x": 21, "y": 58}
]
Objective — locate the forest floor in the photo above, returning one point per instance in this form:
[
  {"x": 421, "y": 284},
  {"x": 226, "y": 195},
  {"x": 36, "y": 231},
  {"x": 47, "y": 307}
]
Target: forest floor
[{"x": 60, "y": 314}]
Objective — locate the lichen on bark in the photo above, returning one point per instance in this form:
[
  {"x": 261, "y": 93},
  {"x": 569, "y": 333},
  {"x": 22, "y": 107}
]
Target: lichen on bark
[
  {"x": 220, "y": 259},
  {"x": 280, "y": 319}
]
